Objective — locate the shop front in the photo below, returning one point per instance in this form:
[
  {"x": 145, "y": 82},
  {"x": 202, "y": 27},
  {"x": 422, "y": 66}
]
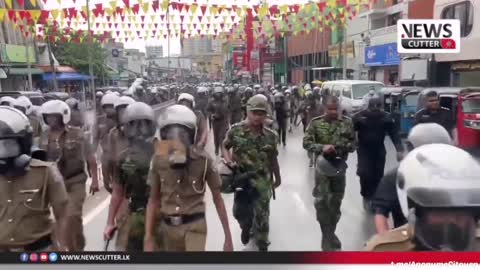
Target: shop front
[
  {"x": 466, "y": 73},
  {"x": 383, "y": 61}
]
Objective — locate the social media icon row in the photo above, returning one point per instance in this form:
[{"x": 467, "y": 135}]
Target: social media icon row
[{"x": 42, "y": 257}]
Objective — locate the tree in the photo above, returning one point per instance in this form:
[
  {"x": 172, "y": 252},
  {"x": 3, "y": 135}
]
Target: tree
[{"x": 74, "y": 52}]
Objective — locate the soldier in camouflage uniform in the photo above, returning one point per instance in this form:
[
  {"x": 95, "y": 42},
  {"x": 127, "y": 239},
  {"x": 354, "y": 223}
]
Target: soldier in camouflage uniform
[
  {"x": 254, "y": 149},
  {"x": 131, "y": 171},
  {"x": 331, "y": 137}
]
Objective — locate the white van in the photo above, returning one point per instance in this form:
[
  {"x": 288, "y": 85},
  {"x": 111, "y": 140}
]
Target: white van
[{"x": 351, "y": 93}]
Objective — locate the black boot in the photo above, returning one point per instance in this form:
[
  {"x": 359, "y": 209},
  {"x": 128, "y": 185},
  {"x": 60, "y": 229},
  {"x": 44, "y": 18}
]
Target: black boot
[{"x": 245, "y": 236}]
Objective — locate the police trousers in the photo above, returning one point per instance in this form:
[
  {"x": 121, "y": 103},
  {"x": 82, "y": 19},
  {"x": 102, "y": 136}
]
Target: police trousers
[
  {"x": 76, "y": 198},
  {"x": 370, "y": 169},
  {"x": 185, "y": 237},
  {"x": 328, "y": 194},
  {"x": 253, "y": 215},
  {"x": 219, "y": 131}
]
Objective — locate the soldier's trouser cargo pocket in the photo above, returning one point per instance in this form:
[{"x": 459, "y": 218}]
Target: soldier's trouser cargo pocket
[
  {"x": 76, "y": 198},
  {"x": 186, "y": 237}
]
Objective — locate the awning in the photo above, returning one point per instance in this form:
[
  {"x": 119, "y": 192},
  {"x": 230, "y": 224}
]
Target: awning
[
  {"x": 3, "y": 75},
  {"x": 23, "y": 71},
  {"x": 71, "y": 76}
]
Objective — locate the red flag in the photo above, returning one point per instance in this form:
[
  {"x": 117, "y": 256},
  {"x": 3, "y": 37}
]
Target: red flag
[
  {"x": 208, "y": 25},
  {"x": 180, "y": 7},
  {"x": 322, "y": 6},
  {"x": 84, "y": 15},
  {"x": 156, "y": 25},
  {"x": 115, "y": 25},
  {"x": 119, "y": 10},
  {"x": 127, "y": 3},
  {"x": 138, "y": 33},
  {"x": 203, "y": 8},
  {"x": 295, "y": 8},
  {"x": 174, "y": 5},
  {"x": 155, "y": 5},
  {"x": 181, "y": 18},
  {"x": 162, "y": 17},
  {"x": 164, "y": 36},
  {"x": 97, "y": 25},
  {"x": 44, "y": 16},
  {"x": 11, "y": 14},
  {"x": 72, "y": 12},
  {"x": 109, "y": 25},
  {"x": 273, "y": 10},
  {"x": 233, "y": 18},
  {"x": 187, "y": 7},
  {"x": 64, "y": 39},
  {"x": 142, "y": 25},
  {"x": 129, "y": 24},
  {"x": 51, "y": 38},
  {"x": 21, "y": 3},
  {"x": 108, "y": 18},
  {"x": 122, "y": 18},
  {"x": 22, "y": 14},
  {"x": 200, "y": 18},
  {"x": 194, "y": 25},
  {"x": 143, "y": 18},
  {"x": 135, "y": 8},
  {"x": 222, "y": 25}
]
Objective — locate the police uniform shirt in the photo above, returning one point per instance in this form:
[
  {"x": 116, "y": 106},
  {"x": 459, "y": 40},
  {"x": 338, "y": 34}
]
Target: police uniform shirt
[
  {"x": 182, "y": 191},
  {"x": 25, "y": 202},
  {"x": 442, "y": 117},
  {"x": 385, "y": 201}
]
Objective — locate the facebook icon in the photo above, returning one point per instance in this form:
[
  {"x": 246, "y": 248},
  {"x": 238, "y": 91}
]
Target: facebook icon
[{"x": 24, "y": 257}]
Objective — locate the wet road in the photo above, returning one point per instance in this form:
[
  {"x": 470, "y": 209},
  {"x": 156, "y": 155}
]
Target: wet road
[{"x": 293, "y": 226}]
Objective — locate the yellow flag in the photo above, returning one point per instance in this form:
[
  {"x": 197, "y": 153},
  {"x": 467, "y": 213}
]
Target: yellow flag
[
  {"x": 331, "y": 3},
  {"x": 284, "y": 9},
  {"x": 341, "y": 10},
  {"x": 8, "y": 3},
  {"x": 213, "y": 10},
  {"x": 34, "y": 2},
  {"x": 109, "y": 11},
  {"x": 35, "y": 15},
  {"x": 2, "y": 14},
  {"x": 145, "y": 7},
  {"x": 104, "y": 25},
  {"x": 152, "y": 17},
  {"x": 239, "y": 12},
  {"x": 263, "y": 11},
  {"x": 193, "y": 8},
  {"x": 172, "y": 17},
  {"x": 308, "y": 8},
  {"x": 165, "y": 4},
  {"x": 54, "y": 13},
  {"x": 113, "y": 4}
]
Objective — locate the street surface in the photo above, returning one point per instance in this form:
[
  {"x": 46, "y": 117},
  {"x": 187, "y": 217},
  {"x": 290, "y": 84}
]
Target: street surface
[{"x": 293, "y": 225}]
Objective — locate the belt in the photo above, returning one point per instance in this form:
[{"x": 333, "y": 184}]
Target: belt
[
  {"x": 40, "y": 244},
  {"x": 182, "y": 219}
]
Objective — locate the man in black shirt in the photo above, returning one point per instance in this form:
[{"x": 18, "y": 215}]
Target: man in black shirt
[
  {"x": 372, "y": 125},
  {"x": 433, "y": 113},
  {"x": 385, "y": 201}
]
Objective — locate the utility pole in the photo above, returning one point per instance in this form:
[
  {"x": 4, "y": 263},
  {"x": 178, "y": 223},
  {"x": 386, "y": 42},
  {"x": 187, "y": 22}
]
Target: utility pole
[
  {"x": 29, "y": 64},
  {"x": 168, "y": 40},
  {"x": 344, "y": 61},
  {"x": 90, "y": 59},
  {"x": 52, "y": 65}
]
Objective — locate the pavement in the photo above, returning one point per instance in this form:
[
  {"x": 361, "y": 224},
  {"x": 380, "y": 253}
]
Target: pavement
[{"x": 293, "y": 225}]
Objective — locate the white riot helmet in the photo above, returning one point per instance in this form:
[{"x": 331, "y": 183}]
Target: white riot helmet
[
  {"x": 72, "y": 103},
  {"x": 99, "y": 94},
  {"x": 139, "y": 121},
  {"x": 16, "y": 138},
  {"x": 123, "y": 101},
  {"x": 7, "y": 101},
  {"x": 437, "y": 184},
  {"x": 427, "y": 133},
  {"x": 23, "y": 104},
  {"x": 257, "y": 86},
  {"x": 188, "y": 97},
  {"x": 218, "y": 90},
  {"x": 109, "y": 99},
  {"x": 202, "y": 90},
  {"x": 57, "y": 107},
  {"x": 178, "y": 115}
]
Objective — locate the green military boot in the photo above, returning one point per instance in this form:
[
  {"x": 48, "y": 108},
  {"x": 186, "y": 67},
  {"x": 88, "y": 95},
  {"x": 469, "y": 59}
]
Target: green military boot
[{"x": 330, "y": 241}]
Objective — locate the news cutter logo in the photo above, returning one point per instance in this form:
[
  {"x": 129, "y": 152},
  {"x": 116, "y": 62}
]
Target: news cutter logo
[{"x": 428, "y": 36}]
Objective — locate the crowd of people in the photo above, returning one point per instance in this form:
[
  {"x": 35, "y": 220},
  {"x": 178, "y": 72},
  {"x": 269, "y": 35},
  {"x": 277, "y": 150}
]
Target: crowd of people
[{"x": 156, "y": 167}]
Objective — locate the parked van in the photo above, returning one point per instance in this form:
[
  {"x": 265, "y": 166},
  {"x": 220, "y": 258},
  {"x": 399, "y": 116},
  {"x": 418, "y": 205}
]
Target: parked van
[{"x": 351, "y": 93}]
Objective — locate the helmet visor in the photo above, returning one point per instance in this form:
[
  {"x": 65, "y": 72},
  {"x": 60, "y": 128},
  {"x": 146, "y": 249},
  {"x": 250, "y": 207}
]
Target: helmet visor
[
  {"x": 9, "y": 148},
  {"x": 446, "y": 230}
]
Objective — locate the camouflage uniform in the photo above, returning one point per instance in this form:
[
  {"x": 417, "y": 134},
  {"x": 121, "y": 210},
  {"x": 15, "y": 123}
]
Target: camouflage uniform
[
  {"x": 133, "y": 167},
  {"x": 254, "y": 154},
  {"x": 329, "y": 190}
]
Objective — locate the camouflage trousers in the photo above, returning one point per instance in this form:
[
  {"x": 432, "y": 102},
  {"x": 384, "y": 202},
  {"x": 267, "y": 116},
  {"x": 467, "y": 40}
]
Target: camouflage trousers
[
  {"x": 328, "y": 193},
  {"x": 253, "y": 214},
  {"x": 131, "y": 233}
]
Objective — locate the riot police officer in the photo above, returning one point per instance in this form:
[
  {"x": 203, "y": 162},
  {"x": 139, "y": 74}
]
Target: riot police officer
[
  {"x": 189, "y": 101},
  {"x": 77, "y": 118},
  {"x": 179, "y": 174},
  {"x": 218, "y": 110},
  {"x": 23, "y": 104},
  {"x": 131, "y": 172},
  {"x": 28, "y": 187},
  {"x": 70, "y": 149},
  {"x": 438, "y": 195},
  {"x": 7, "y": 101},
  {"x": 331, "y": 137},
  {"x": 385, "y": 201},
  {"x": 281, "y": 115}
]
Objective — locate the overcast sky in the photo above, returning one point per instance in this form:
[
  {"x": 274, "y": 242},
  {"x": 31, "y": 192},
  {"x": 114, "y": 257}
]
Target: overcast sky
[{"x": 174, "y": 42}]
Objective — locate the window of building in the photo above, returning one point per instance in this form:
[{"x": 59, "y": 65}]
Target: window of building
[
  {"x": 392, "y": 19},
  {"x": 462, "y": 11}
]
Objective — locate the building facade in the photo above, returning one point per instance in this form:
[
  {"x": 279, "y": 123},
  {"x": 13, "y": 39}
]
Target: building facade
[{"x": 154, "y": 52}]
